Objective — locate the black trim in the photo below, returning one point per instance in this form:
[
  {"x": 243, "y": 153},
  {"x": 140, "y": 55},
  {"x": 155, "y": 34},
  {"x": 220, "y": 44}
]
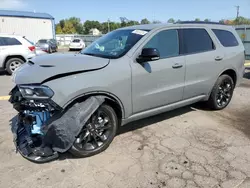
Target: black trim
[{"x": 69, "y": 74}]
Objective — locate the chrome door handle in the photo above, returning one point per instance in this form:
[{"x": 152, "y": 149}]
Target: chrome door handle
[
  {"x": 177, "y": 66},
  {"x": 218, "y": 58}
]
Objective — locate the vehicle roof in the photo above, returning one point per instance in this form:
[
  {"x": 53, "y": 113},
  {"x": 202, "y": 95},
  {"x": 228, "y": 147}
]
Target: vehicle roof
[
  {"x": 159, "y": 26},
  {"x": 9, "y": 35},
  {"x": 25, "y": 14}
]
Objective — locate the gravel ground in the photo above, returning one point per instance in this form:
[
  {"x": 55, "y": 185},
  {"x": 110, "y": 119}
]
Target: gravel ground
[{"x": 189, "y": 147}]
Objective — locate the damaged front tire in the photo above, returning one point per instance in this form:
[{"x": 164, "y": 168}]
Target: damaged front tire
[{"x": 97, "y": 133}]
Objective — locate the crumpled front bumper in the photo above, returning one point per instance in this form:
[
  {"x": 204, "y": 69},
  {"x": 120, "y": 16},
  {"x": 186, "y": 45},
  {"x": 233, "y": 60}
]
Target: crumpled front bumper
[{"x": 58, "y": 132}]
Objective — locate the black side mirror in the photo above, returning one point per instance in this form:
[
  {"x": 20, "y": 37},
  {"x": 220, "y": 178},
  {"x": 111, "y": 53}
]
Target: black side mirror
[{"x": 148, "y": 54}]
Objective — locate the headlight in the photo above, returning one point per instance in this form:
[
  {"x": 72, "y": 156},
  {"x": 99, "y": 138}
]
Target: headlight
[{"x": 35, "y": 92}]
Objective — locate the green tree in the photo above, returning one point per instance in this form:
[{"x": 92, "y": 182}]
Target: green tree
[
  {"x": 90, "y": 24},
  {"x": 145, "y": 21},
  {"x": 112, "y": 26},
  {"x": 171, "y": 20},
  {"x": 77, "y": 24},
  {"x": 178, "y": 20},
  {"x": 242, "y": 21},
  {"x": 59, "y": 29},
  {"x": 124, "y": 21},
  {"x": 132, "y": 22},
  {"x": 222, "y": 21},
  {"x": 206, "y": 20},
  {"x": 156, "y": 21},
  {"x": 197, "y": 19},
  {"x": 68, "y": 28}
]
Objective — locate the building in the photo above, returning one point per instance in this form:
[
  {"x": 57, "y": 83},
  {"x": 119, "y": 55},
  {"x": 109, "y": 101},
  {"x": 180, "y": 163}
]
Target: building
[
  {"x": 95, "y": 32},
  {"x": 32, "y": 25}
]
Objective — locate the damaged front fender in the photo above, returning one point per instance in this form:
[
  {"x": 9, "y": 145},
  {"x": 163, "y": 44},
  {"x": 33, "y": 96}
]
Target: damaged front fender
[{"x": 57, "y": 132}]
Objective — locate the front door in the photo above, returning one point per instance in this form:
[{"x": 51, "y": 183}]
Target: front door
[{"x": 161, "y": 82}]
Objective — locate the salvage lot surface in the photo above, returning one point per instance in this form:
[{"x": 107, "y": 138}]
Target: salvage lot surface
[{"x": 189, "y": 147}]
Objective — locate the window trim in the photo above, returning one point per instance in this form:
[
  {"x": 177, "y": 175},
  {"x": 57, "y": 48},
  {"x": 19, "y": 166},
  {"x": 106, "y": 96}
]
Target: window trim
[
  {"x": 183, "y": 46},
  {"x": 228, "y": 32}
]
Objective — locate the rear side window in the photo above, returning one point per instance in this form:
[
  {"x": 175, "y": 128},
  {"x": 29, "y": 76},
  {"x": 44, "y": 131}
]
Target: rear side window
[
  {"x": 166, "y": 42},
  {"x": 195, "y": 40},
  {"x": 1, "y": 41},
  {"x": 76, "y": 40},
  {"x": 8, "y": 41},
  {"x": 226, "y": 38}
]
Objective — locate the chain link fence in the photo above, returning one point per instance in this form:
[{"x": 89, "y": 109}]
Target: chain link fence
[{"x": 244, "y": 33}]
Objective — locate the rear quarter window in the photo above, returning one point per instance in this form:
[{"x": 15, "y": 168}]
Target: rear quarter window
[{"x": 226, "y": 38}]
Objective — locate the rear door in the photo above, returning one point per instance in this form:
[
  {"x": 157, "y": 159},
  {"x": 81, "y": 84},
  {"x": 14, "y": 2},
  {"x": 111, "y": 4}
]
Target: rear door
[{"x": 201, "y": 59}]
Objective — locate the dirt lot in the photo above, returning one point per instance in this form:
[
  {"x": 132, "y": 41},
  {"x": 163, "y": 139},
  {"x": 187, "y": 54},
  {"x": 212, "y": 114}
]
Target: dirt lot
[{"x": 189, "y": 147}]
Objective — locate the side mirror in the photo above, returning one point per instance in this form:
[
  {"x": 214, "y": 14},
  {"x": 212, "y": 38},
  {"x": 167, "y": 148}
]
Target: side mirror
[{"x": 148, "y": 54}]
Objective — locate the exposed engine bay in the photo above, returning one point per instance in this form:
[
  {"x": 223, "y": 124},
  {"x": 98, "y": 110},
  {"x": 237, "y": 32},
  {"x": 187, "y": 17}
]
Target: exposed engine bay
[{"x": 43, "y": 129}]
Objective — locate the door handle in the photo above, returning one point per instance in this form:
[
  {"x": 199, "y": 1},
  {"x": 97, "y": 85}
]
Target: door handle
[
  {"x": 218, "y": 58},
  {"x": 177, "y": 66}
]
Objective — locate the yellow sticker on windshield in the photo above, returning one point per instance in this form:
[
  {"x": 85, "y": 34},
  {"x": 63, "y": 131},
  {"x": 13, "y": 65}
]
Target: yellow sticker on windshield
[{"x": 140, "y": 32}]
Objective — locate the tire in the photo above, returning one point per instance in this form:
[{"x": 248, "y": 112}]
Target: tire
[
  {"x": 12, "y": 64},
  {"x": 221, "y": 92},
  {"x": 83, "y": 150}
]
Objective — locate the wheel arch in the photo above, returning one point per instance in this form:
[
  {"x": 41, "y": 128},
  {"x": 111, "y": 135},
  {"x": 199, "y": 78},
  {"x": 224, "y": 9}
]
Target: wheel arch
[
  {"x": 232, "y": 73},
  {"x": 11, "y": 57},
  {"x": 110, "y": 99}
]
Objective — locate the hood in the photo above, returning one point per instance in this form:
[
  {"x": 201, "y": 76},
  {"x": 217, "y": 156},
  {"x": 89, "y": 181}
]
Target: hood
[{"x": 48, "y": 67}]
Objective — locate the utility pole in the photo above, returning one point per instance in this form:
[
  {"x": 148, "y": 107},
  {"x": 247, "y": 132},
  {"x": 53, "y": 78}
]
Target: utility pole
[
  {"x": 238, "y": 11},
  {"x": 108, "y": 26}
]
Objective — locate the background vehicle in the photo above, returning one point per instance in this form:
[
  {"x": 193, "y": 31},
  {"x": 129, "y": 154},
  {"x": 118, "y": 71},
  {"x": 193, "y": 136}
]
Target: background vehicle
[
  {"x": 140, "y": 71},
  {"x": 14, "y": 51},
  {"x": 47, "y": 45},
  {"x": 76, "y": 44}
]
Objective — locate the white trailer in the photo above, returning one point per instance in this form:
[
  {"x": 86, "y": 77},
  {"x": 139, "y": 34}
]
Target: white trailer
[{"x": 33, "y": 26}]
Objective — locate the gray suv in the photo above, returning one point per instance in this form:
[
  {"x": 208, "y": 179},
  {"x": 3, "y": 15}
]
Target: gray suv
[{"x": 76, "y": 102}]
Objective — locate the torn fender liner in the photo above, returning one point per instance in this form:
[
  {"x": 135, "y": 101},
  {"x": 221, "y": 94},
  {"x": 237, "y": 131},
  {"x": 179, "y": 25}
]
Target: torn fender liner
[{"x": 61, "y": 131}]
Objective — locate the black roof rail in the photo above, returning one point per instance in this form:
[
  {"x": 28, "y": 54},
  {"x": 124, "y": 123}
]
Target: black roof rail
[{"x": 198, "y": 22}]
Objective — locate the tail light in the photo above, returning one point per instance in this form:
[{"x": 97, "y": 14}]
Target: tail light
[{"x": 32, "y": 48}]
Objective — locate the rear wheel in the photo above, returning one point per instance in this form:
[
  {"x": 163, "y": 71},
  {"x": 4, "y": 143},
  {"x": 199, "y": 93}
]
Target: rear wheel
[
  {"x": 12, "y": 64},
  {"x": 97, "y": 133},
  {"x": 222, "y": 93}
]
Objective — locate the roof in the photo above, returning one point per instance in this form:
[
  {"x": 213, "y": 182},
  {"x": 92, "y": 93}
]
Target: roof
[
  {"x": 162, "y": 25},
  {"x": 24, "y": 14}
]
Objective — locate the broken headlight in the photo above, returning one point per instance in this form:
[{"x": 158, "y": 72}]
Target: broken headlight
[{"x": 35, "y": 91}]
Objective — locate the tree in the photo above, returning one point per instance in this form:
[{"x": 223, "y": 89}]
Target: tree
[
  {"x": 171, "y": 20},
  {"x": 77, "y": 24},
  {"x": 206, "y": 20},
  {"x": 112, "y": 26},
  {"x": 132, "y": 22},
  {"x": 59, "y": 29},
  {"x": 222, "y": 21},
  {"x": 124, "y": 21},
  {"x": 145, "y": 21},
  {"x": 156, "y": 22},
  {"x": 197, "y": 19},
  {"x": 178, "y": 20},
  {"x": 91, "y": 25},
  {"x": 242, "y": 21},
  {"x": 68, "y": 28}
]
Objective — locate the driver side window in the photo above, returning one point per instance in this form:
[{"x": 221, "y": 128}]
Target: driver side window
[{"x": 166, "y": 42}]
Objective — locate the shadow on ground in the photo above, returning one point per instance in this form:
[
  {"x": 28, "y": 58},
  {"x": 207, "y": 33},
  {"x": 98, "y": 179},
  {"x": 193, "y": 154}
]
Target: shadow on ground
[{"x": 3, "y": 73}]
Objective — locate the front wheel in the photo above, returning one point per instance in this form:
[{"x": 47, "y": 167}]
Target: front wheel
[
  {"x": 97, "y": 133},
  {"x": 222, "y": 93}
]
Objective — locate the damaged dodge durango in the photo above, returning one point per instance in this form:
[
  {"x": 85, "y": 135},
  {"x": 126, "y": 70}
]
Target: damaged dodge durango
[{"x": 77, "y": 102}]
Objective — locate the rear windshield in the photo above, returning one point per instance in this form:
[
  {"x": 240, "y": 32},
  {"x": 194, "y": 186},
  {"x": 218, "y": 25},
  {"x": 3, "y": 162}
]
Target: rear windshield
[
  {"x": 42, "y": 41},
  {"x": 76, "y": 40}
]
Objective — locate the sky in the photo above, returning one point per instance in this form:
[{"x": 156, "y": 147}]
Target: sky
[{"x": 160, "y": 10}]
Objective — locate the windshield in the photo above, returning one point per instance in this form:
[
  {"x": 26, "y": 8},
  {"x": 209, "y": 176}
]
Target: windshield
[
  {"x": 76, "y": 40},
  {"x": 42, "y": 41},
  {"x": 114, "y": 44}
]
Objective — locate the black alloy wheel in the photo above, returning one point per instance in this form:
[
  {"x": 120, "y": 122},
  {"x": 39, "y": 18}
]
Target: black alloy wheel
[
  {"x": 222, "y": 93},
  {"x": 97, "y": 134}
]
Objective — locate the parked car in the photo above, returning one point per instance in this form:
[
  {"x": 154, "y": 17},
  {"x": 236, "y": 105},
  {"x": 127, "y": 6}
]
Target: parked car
[
  {"x": 78, "y": 101},
  {"x": 47, "y": 45},
  {"x": 14, "y": 51},
  {"x": 76, "y": 44}
]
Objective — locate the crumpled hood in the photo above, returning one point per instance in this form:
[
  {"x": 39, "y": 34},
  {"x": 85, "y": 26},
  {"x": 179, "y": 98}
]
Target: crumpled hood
[{"x": 48, "y": 67}]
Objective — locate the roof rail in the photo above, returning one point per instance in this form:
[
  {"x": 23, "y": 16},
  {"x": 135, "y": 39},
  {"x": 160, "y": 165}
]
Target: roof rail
[{"x": 199, "y": 22}]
